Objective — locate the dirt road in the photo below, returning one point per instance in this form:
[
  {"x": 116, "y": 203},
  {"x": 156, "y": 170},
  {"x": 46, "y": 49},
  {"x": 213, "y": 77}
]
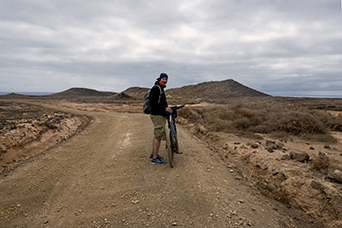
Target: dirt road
[{"x": 103, "y": 177}]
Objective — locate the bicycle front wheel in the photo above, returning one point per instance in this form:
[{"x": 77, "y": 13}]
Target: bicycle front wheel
[
  {"x": 170, "y": 151},
  {"x": 174, "y": 144}
]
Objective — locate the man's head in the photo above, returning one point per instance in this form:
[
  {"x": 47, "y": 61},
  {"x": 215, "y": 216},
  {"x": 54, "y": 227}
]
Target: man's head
[
  {"x": 163, "y": 78},
  {"x": 163, "y": 75}
]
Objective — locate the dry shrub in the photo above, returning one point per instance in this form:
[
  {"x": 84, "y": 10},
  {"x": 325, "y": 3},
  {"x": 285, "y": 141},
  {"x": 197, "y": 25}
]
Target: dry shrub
[
  {"x": 244, "y": 112},
  {"x": 319, "y": 137},
  {"x": 266, "y": 118},
  {"x": 190, "y": 114},
  {"x": 279, "y": 135},
  {"x": 329, "y": 120},
  {"x": 218, "y": 125},
  {"x": 248, "y": 134},
  {"x": 297, "y": 123},
  {"x": 185, "y": 112},
  {"x": 222, "y": 113},
  {"x": 242, "y": 123}
]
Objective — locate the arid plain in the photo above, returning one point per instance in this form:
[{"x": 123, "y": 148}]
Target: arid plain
[{"x": 251, "y": 154}]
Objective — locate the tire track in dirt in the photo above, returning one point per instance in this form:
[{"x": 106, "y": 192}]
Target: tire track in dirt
[{"x": 103, "y": 177}]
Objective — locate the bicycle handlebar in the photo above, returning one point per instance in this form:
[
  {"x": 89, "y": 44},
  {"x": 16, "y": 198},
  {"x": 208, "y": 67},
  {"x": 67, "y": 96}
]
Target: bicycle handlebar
[
  {"x": 177, "y": 107},
  {"x": 174, "y": 111}
]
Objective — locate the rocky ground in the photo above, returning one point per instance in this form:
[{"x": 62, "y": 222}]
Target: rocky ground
[
  {"x": 301, "y": 174},
  {"x": 296, "y": 173}
]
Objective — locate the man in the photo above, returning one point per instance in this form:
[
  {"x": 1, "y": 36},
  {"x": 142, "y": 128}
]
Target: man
[{"x": 158, "y": 112}]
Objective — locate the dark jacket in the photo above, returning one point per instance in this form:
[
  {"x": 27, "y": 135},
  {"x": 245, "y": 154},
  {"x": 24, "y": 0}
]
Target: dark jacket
[{"x": 158, "y": 108}]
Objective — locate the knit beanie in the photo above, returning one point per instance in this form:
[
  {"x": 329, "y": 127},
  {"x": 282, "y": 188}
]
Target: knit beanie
[{"x": 163, "y": 75}]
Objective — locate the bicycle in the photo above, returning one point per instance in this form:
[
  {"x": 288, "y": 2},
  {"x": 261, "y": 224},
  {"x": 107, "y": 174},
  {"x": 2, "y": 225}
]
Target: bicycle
[{"x": 171, "y": 135}]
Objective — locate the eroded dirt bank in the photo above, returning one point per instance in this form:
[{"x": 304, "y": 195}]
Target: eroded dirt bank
[
  {"x": 27, "y": 130},
  {"x": 301, "y": 174},
  {"x": 102, "y": 177}
]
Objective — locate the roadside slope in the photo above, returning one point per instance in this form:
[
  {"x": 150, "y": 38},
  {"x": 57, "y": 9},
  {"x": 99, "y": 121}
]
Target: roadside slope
[{"x": 102, "y": 177}]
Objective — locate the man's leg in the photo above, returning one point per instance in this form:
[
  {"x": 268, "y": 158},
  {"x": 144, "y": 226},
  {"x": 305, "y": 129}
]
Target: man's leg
[
  {"x": 155, "y": 147},
  {"x": 154, "y": 137},
  {"x": 159, "y": 134}
]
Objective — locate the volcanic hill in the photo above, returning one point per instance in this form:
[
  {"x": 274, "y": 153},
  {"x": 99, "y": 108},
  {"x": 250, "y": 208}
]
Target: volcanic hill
[
  {"x": 81, "y": 92},
  {"x": 133, "y": 92},
  {"x": 206, "y": 91},
  {"x": 214, "y": 91}
]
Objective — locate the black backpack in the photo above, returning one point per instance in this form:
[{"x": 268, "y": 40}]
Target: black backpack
[{"x": 146, "y": 101}]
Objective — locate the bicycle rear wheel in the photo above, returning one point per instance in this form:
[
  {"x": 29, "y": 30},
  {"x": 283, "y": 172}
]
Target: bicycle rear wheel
[{"x": 170, "y": 148}]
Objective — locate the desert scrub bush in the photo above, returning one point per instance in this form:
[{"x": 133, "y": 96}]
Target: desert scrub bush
[
  {"x": 329, "y": 120},
  {"x": 296, "y": 123},
  {"x": 191, "y": 114},
  {"x": 259, "y": 117},
  {"x": 218, "y": 124}
]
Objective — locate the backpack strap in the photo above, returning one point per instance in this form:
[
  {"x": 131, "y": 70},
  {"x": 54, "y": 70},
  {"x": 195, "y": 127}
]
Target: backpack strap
[{"x": 159, "y": 93}]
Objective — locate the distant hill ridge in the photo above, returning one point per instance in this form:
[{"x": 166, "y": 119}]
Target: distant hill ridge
[
  {"x": 121, "y": 96},
  {"x": 214, "y": 90},
  {"x": 83, "y": 92},
  {"x": 206, "y": 91},
  {"x": 136, "y": 92}
]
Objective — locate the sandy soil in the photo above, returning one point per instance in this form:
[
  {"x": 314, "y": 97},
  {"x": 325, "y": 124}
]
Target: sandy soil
[{"x": 102, "y": 177}]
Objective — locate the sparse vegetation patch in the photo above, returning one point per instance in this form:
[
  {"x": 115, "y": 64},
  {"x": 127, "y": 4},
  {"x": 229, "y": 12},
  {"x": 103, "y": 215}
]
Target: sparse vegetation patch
[{"x": 250, "y": 118}]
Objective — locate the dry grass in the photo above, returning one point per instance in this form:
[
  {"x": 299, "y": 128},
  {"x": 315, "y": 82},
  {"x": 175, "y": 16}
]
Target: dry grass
[{"x": 277, "y": 119}]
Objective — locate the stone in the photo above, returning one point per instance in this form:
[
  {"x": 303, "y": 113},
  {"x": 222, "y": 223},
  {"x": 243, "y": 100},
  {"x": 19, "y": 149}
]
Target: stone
[
  {"x": 317, "y": 185},
  {"x": 226, "y": 146},
  {"x": 270, "y": 143},
  {"x": 135, "y": 201},
  {"x": 300, "y": 156},
  {"x": 254, "y": 146},
  {"x": 230, "y": 166},
  {"x": 322, "y": 161},
  {"x": 285, "y": 157},
  {"x": 280, "y": 145},
  {"x": 3, "y": 149},
  {"x": 327, "y": 146},
  {"x": 270, "y": 149},
  {"x": 335, "y": 175}
]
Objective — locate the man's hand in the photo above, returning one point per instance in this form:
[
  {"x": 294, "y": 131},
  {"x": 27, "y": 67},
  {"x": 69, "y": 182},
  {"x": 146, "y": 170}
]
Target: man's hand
[{"x": 168, "y": 109}]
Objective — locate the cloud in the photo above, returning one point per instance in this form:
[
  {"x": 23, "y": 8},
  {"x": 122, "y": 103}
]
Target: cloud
[{"x": 277, "y": 47}]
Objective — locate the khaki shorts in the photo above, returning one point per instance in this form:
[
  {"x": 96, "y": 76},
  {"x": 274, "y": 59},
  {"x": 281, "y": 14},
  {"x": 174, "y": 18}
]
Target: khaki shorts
[{"x": 159, "y": 126}]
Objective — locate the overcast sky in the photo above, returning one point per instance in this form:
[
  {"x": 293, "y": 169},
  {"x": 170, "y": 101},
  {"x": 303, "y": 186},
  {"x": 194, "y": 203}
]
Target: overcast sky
[{"x": 280, "y": 47}]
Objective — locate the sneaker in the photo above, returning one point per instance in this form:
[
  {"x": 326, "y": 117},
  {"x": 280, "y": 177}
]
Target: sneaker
[
  {"x": 159, "y": 157},
  {"x": 154, "y": 161}
]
